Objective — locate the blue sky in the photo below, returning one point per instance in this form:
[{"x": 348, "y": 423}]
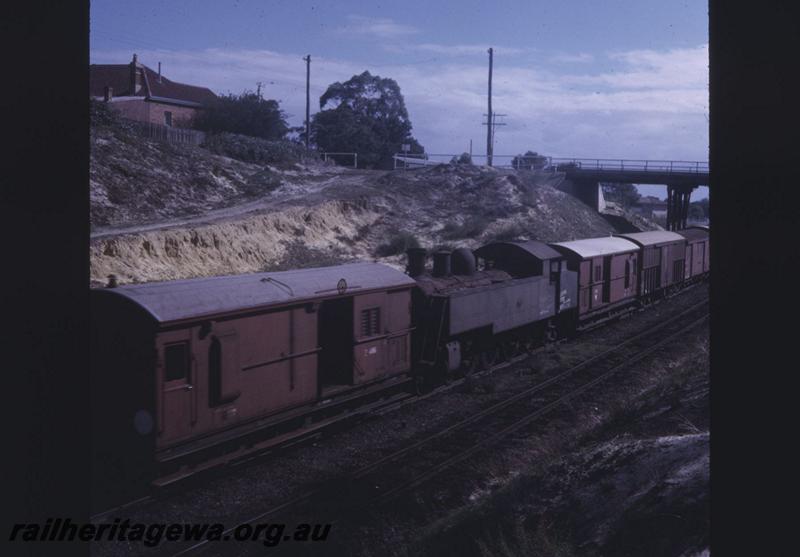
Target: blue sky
[{"x": 614, "y": 79}]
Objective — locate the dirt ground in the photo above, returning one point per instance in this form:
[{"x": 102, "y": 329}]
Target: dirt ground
[{"x": 162, "y": 212}]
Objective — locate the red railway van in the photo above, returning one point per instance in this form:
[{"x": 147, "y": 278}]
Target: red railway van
[
  {"x": 606, "y": 272},
  {"x": 698, "y": 257},
  {"x": 182, "y": 363},
  {"x": 662, "y": 257}
]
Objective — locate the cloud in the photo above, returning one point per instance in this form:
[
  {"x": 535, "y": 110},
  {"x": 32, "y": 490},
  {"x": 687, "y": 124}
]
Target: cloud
[
  {"x": 644, "y": 104},
  {"x": 453, "y": 50},
  {"x": 381, "y": 28},
  {"x": 564, "y": 58}
]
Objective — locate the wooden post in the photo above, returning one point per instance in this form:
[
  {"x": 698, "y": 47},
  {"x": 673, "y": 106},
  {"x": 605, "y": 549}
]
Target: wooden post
[
  {"x": 308, "y": 97},
  {"x": 489, "y": 115}
]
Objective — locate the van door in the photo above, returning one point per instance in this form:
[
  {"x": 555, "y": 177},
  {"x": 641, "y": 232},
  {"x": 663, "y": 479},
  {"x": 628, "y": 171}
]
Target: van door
[{"x": 178, "y": 398}]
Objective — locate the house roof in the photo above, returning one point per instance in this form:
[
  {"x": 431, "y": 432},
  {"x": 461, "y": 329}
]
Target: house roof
[
  {"x": 192, "y": 298},
  {"x": 594, "y": 247},
  {"x": 118, "y": 77}
]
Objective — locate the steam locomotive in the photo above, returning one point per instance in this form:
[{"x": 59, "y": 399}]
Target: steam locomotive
[{"x": 185, "y": 372}]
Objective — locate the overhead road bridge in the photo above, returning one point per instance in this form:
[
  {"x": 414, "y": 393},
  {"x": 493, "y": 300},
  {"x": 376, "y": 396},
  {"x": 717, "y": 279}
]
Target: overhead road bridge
[{"x": 680, "y": 177}]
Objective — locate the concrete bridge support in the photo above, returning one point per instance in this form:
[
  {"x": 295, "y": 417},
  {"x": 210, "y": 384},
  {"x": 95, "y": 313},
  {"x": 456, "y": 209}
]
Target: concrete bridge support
[
  {"x": 678, "y": 206},
  {"x": 590, "y": 192}
]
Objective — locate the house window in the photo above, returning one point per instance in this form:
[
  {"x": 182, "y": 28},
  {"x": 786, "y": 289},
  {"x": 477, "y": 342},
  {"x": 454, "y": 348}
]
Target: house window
[
  {"x": 627, "y": 274},
  {"x": 598, "y": 273},
  {"x": 370, "y": 322},
  {"x": 215, "y": 373},
  {"x": 168, "y": 118},
  {"x": 176, "y": 361}
]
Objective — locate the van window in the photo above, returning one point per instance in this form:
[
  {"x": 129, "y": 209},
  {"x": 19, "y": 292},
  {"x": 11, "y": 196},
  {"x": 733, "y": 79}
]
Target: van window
[
  {"x": 176, "y": 361},
  {"x": 627, "y": 274},
  {"x": 215, "y": 373},
  {"x": 370, "y": 322}
]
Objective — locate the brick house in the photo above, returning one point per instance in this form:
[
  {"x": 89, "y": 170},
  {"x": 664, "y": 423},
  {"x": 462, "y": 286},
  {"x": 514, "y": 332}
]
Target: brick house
[{"x": 139, "y": 93}]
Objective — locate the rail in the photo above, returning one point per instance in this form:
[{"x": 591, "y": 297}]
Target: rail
[
  {"x": 404, "y": 160},
  {"x": 683, "y": 167}
]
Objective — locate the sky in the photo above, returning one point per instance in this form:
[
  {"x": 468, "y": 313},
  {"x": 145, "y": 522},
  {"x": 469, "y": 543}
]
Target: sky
[{"x": 620, "y": 79}]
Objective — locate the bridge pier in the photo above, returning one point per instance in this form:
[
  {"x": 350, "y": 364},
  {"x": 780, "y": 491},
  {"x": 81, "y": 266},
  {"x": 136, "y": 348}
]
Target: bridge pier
[{"x": 678, "y": 206}]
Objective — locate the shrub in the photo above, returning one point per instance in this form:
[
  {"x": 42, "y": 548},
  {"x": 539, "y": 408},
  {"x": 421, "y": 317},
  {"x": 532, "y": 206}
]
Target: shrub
[
  {"x": 472, "y": 227},
  {"x": 255, "y": 150},
  {"x": 398, "y": 244}
]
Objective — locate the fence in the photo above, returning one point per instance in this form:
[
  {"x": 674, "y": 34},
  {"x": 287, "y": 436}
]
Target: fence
[
  {"x": 168, "y": 133},
  {"x": 334, "y": 156}
]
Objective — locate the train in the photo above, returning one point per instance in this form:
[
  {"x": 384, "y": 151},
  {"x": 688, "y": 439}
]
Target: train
[{"x": 189, "y": 372}]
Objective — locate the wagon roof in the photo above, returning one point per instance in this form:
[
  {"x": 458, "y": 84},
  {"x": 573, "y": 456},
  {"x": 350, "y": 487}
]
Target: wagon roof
[
  {"x": 191, "y": 298},
  {"x": 594, "y": 247},
  {"x": 694, "y": 234},
  {"x": 653, "y": 237},
  {"x": 537, "y": 249}
]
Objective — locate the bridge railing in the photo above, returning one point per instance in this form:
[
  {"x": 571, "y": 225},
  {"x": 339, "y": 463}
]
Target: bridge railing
[{"x": 682, "y": 167}]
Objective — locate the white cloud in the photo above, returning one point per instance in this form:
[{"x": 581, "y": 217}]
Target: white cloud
[
  {"x": 381, "y": 28},
  {"x": 453, "y": 50},
  {"x": 652, "y": 105},
  {"x": 565, "y": 58}
]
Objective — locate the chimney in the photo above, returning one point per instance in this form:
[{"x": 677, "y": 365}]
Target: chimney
[
  {"x": 441, "y": 264},
  {"x": 135, "y": 77},
  {"x": 416, "y": 261},
  {"x": 108, "y": 93},
  {"x": 159, "y": 72}
]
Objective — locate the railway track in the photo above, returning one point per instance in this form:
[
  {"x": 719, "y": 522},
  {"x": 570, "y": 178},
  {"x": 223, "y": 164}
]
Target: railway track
[
  {"x": 400, "y": 472},
  {"x": 319, "y": 429}
]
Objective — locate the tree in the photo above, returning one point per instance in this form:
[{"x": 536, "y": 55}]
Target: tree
[
  {"x": 624, "y": 194},
  {"x": 531, "y": 160},
  {"x": 246, "y": 114},
  {"x": 698, "y": 210},
  {"x": 465, "y": 158},
  {"x": 366, "y": 115}
]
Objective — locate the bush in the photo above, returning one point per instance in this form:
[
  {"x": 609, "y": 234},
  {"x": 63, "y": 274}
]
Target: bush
[
  {"x": 255, "y": 150},
  {"x": 508, "y": 232},
  {"x": 472, "y": 227},
  {"x": 397, "y": 245},
  {"x": 246, "y": 114}
]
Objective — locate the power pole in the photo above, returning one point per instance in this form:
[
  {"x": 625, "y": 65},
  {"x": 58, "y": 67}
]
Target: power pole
[
  {"x": 308, "y": 97},
  {"x": 489, "y": 115},
  {"x": 258, "y": 91},
  {"x": 492, "y": 123}
]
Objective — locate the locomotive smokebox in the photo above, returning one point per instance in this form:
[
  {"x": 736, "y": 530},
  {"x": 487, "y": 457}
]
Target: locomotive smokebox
[
  {"x": 463, "y": 262},
  {"x": 416, "y": 261},
  {"x": 441, "y": 264}
]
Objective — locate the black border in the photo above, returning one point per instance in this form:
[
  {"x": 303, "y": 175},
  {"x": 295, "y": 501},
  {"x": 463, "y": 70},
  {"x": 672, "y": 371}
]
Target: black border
[
  {"x": 44, "y": 206},
  {"x": 754, "y": 216}
]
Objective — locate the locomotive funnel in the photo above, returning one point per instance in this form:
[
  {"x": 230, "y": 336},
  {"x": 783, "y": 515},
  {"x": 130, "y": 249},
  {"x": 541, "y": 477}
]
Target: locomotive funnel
[
  {"x": 416, "y": 261},
  {"x": 441, "y": 263}
]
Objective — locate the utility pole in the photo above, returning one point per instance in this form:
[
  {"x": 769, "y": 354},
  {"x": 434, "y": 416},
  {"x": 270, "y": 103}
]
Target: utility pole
[
  {"x": 492, "y": 123},
  {"x": 258, "y": 91},
  {"x": 308, "y": 97},
  {"x": 489, "y": 115}
]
